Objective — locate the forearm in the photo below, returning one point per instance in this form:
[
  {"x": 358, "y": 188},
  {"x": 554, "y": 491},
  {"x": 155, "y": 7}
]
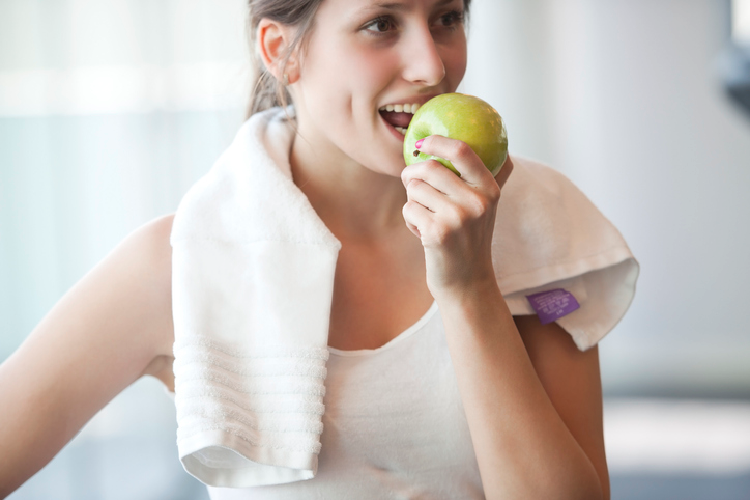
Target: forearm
[
  {"x": 34, "y": 423},
  {"x": 523, "y": 447}
]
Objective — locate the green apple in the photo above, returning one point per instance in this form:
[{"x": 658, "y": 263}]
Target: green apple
[{"x": 463, "y": 117}]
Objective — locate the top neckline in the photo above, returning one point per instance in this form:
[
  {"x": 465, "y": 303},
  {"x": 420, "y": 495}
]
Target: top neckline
[{"x": 395, "y": 341}]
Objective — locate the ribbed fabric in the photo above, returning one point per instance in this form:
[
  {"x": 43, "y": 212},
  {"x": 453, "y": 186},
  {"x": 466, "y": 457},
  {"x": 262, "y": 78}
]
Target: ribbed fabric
[
  {"x": 254, "y": 401},
  {"x": 252, "y": 283}
]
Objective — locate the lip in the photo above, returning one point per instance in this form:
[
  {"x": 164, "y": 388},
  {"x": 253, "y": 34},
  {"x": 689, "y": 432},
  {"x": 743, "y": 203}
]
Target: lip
[
  {"x": 417, "y": 99},
  {"x": 392, "y": 130}
]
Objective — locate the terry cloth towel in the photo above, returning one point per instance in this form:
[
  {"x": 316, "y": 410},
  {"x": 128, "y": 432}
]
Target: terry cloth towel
[{"x": 252, "y": 281}]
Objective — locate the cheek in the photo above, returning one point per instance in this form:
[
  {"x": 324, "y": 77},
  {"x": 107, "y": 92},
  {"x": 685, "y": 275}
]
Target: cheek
[
  {"x": 361, "y": 77},
  {"x": 341, "y": 72},
  {"x": 345, "y": 89},
  {"x": 374, "y": 67},
  {"x": 455, "y": 66},
  {"x": 324, "y": 93}
]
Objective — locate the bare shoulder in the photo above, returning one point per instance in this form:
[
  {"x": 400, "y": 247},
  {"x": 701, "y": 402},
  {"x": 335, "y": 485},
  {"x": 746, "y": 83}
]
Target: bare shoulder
[
  {"x": 151, "y": 252},
  {"x": 124, "y": 302},
  {"x": 149, "y": 245},
  {"x": 147, "y": 253}
]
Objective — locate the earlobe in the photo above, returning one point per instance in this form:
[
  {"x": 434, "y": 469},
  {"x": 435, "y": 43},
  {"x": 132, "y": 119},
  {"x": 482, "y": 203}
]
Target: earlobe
[{"x": 274, "y": 42}]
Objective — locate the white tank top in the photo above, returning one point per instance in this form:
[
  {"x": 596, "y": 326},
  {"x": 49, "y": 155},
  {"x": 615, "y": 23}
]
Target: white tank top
[{"x": 393, "y": 427}]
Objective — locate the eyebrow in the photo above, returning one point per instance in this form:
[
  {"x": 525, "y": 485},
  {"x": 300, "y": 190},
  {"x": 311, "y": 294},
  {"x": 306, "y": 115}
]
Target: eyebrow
[{"x": 401, "y": 5}]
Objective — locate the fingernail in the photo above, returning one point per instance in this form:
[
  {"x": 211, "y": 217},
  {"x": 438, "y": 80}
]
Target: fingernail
[{"x": 418, "y": 144}]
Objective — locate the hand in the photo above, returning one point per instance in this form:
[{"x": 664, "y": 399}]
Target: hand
[{"x": 453, "y": 216}]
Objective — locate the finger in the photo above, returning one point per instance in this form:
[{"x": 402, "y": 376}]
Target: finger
[
  {"x": 433, "y": 173},
  {"x": 426, "y": 195},
  {"x": 505, "y": 171},
  {"x": 414, "y": 229},
  {"x": 460, "y": 154},
  {"x": 416, "y": 217}
]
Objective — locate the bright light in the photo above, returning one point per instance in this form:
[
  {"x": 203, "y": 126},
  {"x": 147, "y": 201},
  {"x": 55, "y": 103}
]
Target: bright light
[
  {"x": 665, "y": 436},
  {"x": 741, "y": 21},
  {"x": 124, "y": 89}
]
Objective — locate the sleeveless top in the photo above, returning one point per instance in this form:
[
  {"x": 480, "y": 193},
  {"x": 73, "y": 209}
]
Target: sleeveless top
[{"x": 403, "y": 397}]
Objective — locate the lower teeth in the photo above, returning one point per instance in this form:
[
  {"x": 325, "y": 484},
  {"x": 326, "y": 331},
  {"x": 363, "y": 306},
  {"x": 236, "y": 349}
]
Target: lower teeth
[{"x": 402, "y": 130}]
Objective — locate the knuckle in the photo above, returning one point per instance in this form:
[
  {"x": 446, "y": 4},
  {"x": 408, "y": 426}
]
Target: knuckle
[
  {"x": 408, "y": 207},
  {"x": 461, "y": 149},
  {"x": 457, "y": 216},
  {"x": 415, "y": 187},
  {"x": 435, "y": 232},
  {"x": 439, "y": 233},
  {"x": 433, "y": 165},
  {"x": 478, "y": 204},
  {"x": 405, "y": 175},
  {"x": 493, "y": 193}
]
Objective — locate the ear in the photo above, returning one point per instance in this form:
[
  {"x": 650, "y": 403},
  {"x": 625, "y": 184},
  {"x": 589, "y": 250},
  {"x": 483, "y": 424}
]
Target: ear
[{"x": 274, "y": 41}]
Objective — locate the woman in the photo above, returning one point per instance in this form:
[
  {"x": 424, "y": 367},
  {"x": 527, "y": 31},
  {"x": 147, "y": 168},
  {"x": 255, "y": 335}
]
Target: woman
[{"x": 413, "y": 241}]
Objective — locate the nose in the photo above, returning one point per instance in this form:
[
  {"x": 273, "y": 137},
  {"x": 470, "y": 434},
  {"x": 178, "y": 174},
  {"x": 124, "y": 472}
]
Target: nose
[{"x": 423, "y": 63}]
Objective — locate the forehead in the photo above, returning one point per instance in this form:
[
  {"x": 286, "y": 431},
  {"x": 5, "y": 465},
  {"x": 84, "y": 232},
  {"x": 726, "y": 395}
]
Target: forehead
[{"x": 344, "y": 7}]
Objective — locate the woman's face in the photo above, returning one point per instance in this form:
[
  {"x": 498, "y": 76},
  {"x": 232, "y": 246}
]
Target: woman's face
[{"x": 364, "y": 55}]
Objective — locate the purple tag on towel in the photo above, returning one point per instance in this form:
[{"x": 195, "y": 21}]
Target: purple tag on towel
[{"x": 553, "y": 304}]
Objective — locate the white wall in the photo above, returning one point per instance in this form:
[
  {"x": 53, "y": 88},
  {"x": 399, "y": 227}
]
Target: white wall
[
  {"x": 109, "y": 111},
  {"x": 623, "y": 97}
]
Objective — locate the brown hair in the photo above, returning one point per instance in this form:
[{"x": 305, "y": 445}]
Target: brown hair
[{"x": 266, "y": 91}]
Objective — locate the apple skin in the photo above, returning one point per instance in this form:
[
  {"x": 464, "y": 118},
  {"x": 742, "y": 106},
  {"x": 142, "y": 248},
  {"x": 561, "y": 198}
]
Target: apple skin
[{"x": 463, "y": 117}]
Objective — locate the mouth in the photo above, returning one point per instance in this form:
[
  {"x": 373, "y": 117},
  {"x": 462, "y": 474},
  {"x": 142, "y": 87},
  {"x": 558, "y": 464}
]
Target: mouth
[{"x": 398, "y": 116}]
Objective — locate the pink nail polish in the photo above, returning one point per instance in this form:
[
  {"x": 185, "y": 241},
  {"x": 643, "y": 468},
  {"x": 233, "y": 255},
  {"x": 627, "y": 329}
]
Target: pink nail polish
[{"x": 418, "y": 144}]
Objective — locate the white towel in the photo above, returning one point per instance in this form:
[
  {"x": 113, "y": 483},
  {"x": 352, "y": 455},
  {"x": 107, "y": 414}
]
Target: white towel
[
  {"x": 253, "y": 271},
  {"x": 549, "y": 235}
]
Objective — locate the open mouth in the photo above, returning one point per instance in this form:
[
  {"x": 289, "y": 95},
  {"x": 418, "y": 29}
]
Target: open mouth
[{"x": 398, "y": 116}]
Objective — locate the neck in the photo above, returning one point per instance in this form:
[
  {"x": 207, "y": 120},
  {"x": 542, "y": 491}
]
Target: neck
[{"x": 352, "y": 200}]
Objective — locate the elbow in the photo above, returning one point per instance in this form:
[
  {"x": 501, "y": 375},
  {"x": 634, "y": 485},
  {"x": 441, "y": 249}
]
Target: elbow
[
  {"x": 589, "y": 486},
  {"x": 586, "y": 479},
  {"x": 582, "y": 489},
  {"x": 576, "y": 484},
  {"x": 582, "y": 483}
]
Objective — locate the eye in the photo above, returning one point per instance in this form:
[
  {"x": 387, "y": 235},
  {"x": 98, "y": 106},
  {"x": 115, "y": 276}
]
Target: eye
[
  {"x": 451, "y": 19},
  {"x": 380, "y": 25}
]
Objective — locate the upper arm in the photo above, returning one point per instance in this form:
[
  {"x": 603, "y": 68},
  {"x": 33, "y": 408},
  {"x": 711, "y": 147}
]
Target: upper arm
[
  {"x": 104, "y": 333},
  {"x": 572, "y": 381}
]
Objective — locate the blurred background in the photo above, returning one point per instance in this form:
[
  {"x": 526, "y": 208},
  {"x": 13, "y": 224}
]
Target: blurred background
[{"x": 111, "y": 109}]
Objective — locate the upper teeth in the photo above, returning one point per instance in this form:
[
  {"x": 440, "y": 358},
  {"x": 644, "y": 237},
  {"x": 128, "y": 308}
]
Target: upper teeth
[{"x": 401, "y": 108}]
